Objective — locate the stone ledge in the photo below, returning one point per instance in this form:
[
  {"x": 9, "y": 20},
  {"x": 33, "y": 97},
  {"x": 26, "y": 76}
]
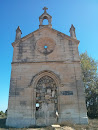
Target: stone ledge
[{"x": 65, "y": 62}]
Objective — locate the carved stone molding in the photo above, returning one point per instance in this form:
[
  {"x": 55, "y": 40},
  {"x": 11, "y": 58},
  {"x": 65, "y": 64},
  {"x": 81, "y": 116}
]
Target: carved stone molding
[{"x": 45, "y": 45}]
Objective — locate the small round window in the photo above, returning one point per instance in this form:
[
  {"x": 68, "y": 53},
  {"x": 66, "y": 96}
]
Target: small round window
[{"x": 45, "y": 47}]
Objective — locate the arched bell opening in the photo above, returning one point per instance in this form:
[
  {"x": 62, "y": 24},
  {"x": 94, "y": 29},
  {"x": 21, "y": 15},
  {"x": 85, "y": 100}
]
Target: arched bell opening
[
  {"x": 45, "y": 19},
  {"x": 45, "y": 22}
]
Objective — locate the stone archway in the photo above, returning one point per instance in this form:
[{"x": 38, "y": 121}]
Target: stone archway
[
  {"x": 45, "y": 87},
  {"x": 46, "y": 101}
]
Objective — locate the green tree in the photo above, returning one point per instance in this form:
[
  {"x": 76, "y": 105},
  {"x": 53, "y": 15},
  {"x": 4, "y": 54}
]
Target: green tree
[
  {"x": 90, "y": 79},
  {"x": 2, "y": 114}
]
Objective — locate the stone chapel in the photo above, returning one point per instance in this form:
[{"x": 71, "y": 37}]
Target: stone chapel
[{"x": 46, "y": 84}]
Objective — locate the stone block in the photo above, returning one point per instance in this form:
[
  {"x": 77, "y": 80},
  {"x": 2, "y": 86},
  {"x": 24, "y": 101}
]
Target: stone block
[
  {"x": 49, "y": 91},
  {"x": 47, "y": 96}
]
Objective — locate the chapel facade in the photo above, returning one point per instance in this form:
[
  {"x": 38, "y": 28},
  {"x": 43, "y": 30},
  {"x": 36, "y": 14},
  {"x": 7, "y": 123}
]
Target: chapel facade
[{"x": 46, "y": 84}]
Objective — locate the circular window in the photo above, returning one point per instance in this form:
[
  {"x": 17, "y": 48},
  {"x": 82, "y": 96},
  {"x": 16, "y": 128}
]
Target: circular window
[{"x": 45, "y": 45}]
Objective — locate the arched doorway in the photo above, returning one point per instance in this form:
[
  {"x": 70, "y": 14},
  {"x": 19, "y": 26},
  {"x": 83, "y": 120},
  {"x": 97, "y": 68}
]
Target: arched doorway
[{"x": 46, "y": 101}]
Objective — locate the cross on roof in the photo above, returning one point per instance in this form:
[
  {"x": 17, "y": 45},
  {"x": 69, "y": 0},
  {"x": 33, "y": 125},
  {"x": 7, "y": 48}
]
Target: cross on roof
[{"x": 45, "y": 8}]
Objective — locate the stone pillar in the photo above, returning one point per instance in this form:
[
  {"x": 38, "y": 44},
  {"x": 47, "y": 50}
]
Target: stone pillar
[
  {"x": 72, "y": 32},
  {"x": 18, "y": 34},
  {"x": 41, "y": 21}
]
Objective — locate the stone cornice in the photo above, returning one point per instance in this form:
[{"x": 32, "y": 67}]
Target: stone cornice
[{"x": 65, "y": 62}]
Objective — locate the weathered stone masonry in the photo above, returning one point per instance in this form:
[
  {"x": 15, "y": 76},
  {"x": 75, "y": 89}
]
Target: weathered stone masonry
[{"x": 46, "y": 85}]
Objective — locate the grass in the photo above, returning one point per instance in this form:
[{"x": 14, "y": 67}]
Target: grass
[{"x": 93, "y": 125}]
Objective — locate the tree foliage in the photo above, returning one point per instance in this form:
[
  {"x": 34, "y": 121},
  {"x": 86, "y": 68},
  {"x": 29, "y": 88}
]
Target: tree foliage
[
  {"x": 90, "y": 79},
  {"x": 2, "y": 114}
]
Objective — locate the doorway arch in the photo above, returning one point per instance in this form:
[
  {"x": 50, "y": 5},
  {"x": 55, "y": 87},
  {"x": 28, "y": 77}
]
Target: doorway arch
[{"x": 46, "y": 94}]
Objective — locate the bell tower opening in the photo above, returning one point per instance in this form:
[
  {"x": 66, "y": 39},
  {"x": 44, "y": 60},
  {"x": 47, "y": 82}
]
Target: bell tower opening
[
  {"x": 45, "y": 19},
  {"x": 45, "y": 22}
]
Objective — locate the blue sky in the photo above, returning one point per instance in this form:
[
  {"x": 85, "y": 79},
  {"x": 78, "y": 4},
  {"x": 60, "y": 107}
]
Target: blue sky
[{"x": 83, "y": 14}]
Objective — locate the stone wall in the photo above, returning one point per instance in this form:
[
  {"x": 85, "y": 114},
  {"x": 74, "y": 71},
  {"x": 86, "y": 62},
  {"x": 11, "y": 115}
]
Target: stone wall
[
  {"x": 30, "y": 65},
  {"x": 26, "y": 50}
]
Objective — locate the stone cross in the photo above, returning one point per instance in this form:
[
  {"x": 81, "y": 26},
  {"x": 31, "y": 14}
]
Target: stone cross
[{"x": 45, "y": 8}]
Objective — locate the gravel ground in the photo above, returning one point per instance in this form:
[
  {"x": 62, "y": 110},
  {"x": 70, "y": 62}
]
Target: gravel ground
[{"x": 93, "y": 125}]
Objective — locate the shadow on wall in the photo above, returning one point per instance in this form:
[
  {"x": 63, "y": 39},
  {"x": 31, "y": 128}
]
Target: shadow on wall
[{"x": 2, "y": 123}]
